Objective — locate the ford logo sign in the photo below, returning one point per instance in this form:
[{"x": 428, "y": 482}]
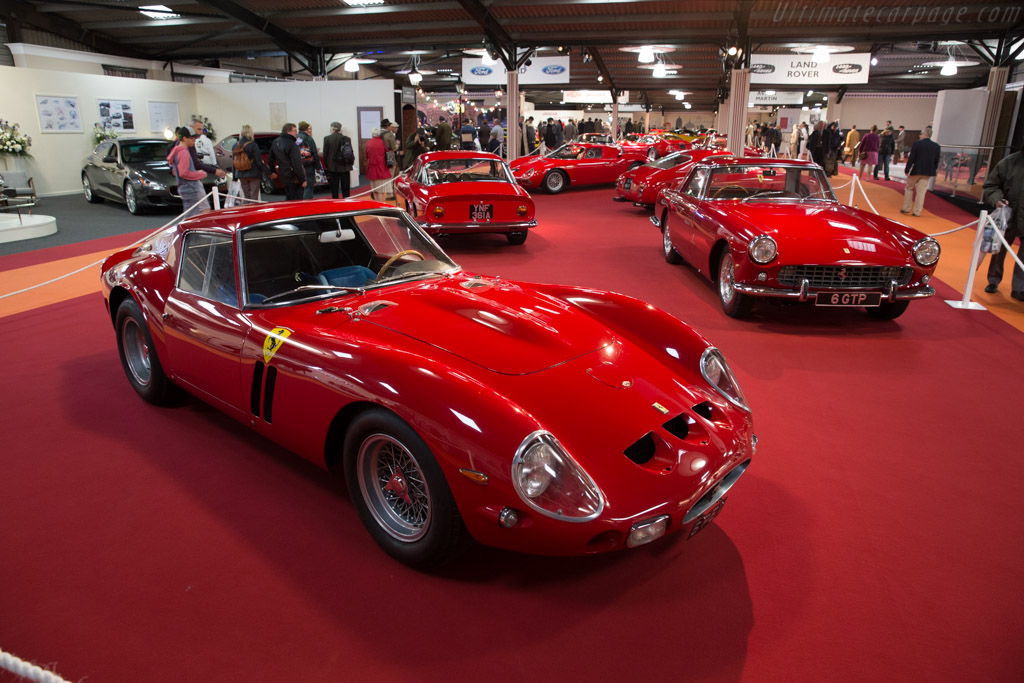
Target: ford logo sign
[
  {"x": 762, "y": 69},
  {"x": 847, "y": 69},
  {"x": 482, "y": 71},
  {"x": 553, "y": 69}
]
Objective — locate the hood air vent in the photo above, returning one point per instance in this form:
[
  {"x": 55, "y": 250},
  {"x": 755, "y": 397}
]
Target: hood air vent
[
  {"x": 641, "y": 451},
  {"x": 374, "y": 306},
  {"x": 678, "y": 426},
  {"x": 703, "y": 409}
]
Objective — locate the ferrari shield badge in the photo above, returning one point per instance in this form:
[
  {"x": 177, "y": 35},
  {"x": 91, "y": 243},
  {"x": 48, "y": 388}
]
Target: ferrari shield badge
[{"x": 274, "y": 341}]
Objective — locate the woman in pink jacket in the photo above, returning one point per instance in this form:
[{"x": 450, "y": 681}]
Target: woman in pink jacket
[
  {"x": 377, "y": 171},
  {"x": 189, "y": 187}
]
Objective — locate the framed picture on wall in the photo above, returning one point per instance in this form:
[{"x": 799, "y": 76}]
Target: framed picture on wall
[
  {"x": 116, "y": 114},
  {"x": 58, "y": 114},
  {"x": 163, "y": 115},
  {"x": 369, "y": 118}
]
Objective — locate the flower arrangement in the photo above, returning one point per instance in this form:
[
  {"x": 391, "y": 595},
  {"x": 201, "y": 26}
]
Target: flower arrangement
[
  {"x": 101, "y": 133},
  {"x": 12, "y": 141},
  {"x": 207, "y": 126}
]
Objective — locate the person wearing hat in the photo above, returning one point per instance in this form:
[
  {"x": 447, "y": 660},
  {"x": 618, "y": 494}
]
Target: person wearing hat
[
  {"x": 338, "y": 167},
  {"x": 189, "y": 186},
  {"x": 310, "y": 158},
  {"x": 415, "y": 145}
]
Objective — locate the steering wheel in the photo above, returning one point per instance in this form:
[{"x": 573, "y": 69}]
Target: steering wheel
[
  {"x": 726, "y": 187},
  {"x": 391, "y": 261},
  {"x": 303, "y": 276}
]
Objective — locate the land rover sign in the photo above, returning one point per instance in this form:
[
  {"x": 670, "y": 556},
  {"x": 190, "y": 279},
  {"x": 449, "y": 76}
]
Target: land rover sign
[{"x": 850, "y": 67}]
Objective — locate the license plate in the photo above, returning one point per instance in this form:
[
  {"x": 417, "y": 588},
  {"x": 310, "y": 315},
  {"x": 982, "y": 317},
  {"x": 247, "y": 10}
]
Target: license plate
[
  {"x": 481, "y": 212},
  {"x": 705, "y": 519},
  {"x": 848, "y": 299},
  {"x": 628, "y": 183}
]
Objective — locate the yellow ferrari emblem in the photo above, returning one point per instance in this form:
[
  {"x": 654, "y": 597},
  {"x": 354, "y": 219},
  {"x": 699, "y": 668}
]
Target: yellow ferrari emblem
[
  {"x": 274, "y": 341},
  {"x": 660, "y": 408},
  {"x": 760, "y": 177}
]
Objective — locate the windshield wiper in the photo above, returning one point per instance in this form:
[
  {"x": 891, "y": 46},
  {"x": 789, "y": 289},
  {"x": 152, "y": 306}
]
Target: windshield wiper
[
  {"x": 809, "y": 198},
  {"x": 763, "y": 193},
  {"x": 303, "y": 288},
  {"x": 409, "y": 274}
]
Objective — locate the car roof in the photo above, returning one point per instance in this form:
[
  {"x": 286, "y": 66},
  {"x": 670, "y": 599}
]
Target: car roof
[
  {"x": 230, "y": 220},
  {"x": 437, "y": 156},
  {"x": 759, "y": 161},
  {"x": 142, "y": 140}
]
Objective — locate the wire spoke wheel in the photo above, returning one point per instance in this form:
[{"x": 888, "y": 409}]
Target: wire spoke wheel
[
  {"x": 136, "y": 351},
  {"x": 394, "y": 487},
  {"x": 725, "y": 280}
]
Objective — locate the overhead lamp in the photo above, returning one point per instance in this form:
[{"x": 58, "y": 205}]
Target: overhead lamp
[
  {"x": 362, "y": 3},
  {"x": 600, "y": 79},
  {"x": 158, "y": 12},
  {"x": 821, "y": 54},
  {"x": 646, "y": 55},
  {"x": 948, "y": 68},
  {"x": 460, "y": 87},
  {"x": 732, "y": 50},
  {"x": 874, "y": 61},
  {"x": 415, "y": 77},
  {"x": 805, "y": 108},
  {"x": 497, "y": 92},
  {"x": 587, "y": 57},
  {"x": 680, "y": 95},
  {"x": 810, "y": 92},
  {"x": 352, "y": 66}
]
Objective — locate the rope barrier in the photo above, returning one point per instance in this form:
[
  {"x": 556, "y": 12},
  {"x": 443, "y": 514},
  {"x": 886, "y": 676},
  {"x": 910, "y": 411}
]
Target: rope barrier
[
  {"x": 957, "y": 229},
  {"x": 855, "y": 181},
  {"x": 20, "y": 667}
]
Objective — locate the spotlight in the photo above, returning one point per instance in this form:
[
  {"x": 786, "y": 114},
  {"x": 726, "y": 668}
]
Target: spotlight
[
  {"x": 810, "y": 92},
  {"x": 732, "y": 50},
  {"x": 600, "y": 79},
  {"x": 646, "y": 55},
  {"x": 874, "y": 61},
  {"x": 821, "y": 54},
  {"x": 948, "y": 68}
]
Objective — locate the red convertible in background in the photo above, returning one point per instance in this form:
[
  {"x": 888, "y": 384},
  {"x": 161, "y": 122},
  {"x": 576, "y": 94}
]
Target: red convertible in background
[
  {"x": 773, "y": 229},
  {"x": 720, "y": 142},
  {"x": 642, "y": 185},
  {"x": 461, "y": 192},
  {"x": 540, "y": 418},
  {"x": 576, "y": 164}
]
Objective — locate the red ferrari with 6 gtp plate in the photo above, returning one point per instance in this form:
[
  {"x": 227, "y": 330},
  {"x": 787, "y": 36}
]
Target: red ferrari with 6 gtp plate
[
  {"x": 540, "y": 418},
  {"x": 461, "y": 192},
  {"x": 575, "y": 164},
  {"x": 773, "y": 229}
]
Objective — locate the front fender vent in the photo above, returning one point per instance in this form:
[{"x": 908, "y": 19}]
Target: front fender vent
[
  {"x": 678, "y": 426},
  {"x": 703, "y": 409},
  {"x": 643, "y": 450}
]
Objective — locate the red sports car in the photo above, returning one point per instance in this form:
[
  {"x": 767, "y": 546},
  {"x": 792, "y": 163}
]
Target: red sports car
[
  {"x": 596, "y": 138},
  {"x": 721, "y": 143},
  {"x": 226, "y": 145},
  {"x": 654, "y": 146},
  {"x": 459, "y": 192},
  {"x": 771, "y": 228},
  {"x": 576, "y": 164},
  {"x": 642, "y": 185},
  {"x": 540, "y": 418}
]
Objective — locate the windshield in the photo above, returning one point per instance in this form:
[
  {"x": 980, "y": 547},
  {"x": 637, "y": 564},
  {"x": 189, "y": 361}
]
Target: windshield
[
  {"x": 568, "y": 151},
  {"x": 765, "y": 182},
  {"x": 135, "y": 152},
  {"x": 322, "y": 256},
  {"x": 596, "y": 137},
  {"x": 464, "y": 170},
  {"x": 671, "y": 161}
]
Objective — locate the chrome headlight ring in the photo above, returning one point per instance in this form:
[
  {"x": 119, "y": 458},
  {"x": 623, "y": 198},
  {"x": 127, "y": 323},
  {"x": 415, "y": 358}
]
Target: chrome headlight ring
[
  {"x": 762, "y": 249},
  {"x": 719, "y": 375},
  {"x": 551, "y": 482},
  {"x": 926, "y": 251}
]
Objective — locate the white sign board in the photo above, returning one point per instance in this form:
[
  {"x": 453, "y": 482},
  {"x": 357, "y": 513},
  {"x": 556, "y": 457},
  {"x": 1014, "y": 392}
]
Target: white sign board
[
  {"x": 849, "y": 67},
  {"x": 542, "y": 70},
  {"x": 162, "y": 115},
  {"x": 761, "y": 97},
  {"x": 624, "y": 108},
  {"x": 592, "y": 96}
]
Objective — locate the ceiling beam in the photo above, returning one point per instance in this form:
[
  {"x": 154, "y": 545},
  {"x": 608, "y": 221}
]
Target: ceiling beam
[
  {"x": 494, "y": 31},
  {"x": 26, "y": 14}
]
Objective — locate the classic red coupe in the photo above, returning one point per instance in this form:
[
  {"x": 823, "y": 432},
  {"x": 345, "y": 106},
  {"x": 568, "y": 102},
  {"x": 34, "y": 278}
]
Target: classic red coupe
[
  {"x": 654, "y": 146},
  {"x": 720, "y": 142},
  {"x": 642, "y": 185},
  {"x": 773, "y": 229},
  {"x": 461, "y": 192},
  {"x": 596, "y": 138},
  {"x": 540, "y": 418},
  {"x": 576, "y": 164}
]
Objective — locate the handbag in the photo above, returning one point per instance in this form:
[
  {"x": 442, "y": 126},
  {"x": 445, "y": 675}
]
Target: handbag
[
  {"x": 321, "y": 177},
  {"x": 830, "y": 165},
  {"x": 389, "y": 158}
]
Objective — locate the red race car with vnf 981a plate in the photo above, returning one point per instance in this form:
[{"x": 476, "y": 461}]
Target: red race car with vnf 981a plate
[
  {"x": 540, "y": 418},
  {"x": 773, "y": 229},
  {"x": 642, "y": 185},
  {"x": 461, "y": 192},
  {"x": 575, "y": 164}
]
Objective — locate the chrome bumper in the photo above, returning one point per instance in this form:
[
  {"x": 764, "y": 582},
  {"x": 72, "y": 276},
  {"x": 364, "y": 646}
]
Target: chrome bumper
[
  {"x": 521, "y": 225},
  {"x": 620, "y": 198},
  {"x": 891, "y": 292},
  {"x": 656, "y": 221}
]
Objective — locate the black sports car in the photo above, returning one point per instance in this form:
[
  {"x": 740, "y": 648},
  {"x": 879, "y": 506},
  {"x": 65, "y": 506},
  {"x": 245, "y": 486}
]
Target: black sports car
[{"x": 134, "y": 171}]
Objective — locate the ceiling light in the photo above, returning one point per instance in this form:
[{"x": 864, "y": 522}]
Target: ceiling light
[
  {"x": 680, "y": 95},
  {"x": 352, "y": 66},
  {"x": 825, "y": 98},
  {"x": 874, "y": 61},
  {"x": 497, "y": 93},
  {"x": 600, "y": 79},
  {"x": 646, "y": 55},
  {"x": 732, "y": 50},
  {"x": 805, "y": 108},
  {"x": 659, "y": 70},
  {"x": 810, "y": 92},
  {"x": 415, "y": 77},
  {"x": 158, "y": 12},
  {"x": 821, "y": 54},
  {"x": 361, "y": 3},
  {"x": 948, "y": 68},
  {"x": 686, "y": 105},
  {"x": 769, "y": 92}
]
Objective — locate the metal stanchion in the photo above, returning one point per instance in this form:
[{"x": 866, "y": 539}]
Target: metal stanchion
[{"x": 965, "y": 302}]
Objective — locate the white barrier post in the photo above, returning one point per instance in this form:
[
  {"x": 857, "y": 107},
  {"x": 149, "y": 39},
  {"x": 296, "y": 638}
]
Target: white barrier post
[
  {"x": 216, "y": 197},
  {"x": 965, "y": 302}
]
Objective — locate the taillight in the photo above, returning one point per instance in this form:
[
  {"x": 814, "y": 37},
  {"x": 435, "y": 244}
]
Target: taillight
[
  {"x": 522, "y": 210},
  {"x": 438, "y": 211}
]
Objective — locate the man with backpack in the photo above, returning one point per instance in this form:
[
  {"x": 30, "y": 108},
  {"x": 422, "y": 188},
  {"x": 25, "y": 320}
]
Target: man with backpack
[
  {"x": 248, "y": 163},
  {"x": 339, "y": 158}
]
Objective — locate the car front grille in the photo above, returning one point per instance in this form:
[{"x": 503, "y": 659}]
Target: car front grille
[{"x": 844, "y": 277}]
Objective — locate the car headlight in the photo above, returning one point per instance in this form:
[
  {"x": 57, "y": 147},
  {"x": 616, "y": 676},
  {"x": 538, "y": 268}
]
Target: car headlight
[
  {"x": 926, "y": 251},
  {"x": 548, "y": 480},
  {"x": 719, "y": 375},
  {"x": 762, "y": 249},
  {"x": 529, "y": 172}
]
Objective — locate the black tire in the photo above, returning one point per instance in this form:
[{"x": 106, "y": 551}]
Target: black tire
[
  {"x": 516, "y": 236},
  {"x": 554, "y": 182},
  {"x": 131, "y": 200},
  {"x": 652, "y": 154},
  {"x": 635, "y": 164},
  {"x": 735, "y": 304},
  {"x": 90, "y": 193},
  {"x": 267, "y": 186},
  {"x": 888, "y": 310},
  {"x": 400, "y": 492},
  {"x": 138, "y": 357},
  {"x": 667, "y": 248}
]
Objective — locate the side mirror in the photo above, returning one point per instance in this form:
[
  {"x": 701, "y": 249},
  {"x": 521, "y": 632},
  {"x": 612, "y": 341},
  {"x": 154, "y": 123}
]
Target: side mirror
[{"x": 112, "y": 159}]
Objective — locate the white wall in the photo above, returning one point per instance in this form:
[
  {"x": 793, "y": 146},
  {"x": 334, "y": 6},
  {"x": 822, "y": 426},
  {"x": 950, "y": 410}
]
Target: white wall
[
  {"x": 914, "y": 111},
  {"x": 56, "y": 164},
  {"x": 959, "y": 115}
]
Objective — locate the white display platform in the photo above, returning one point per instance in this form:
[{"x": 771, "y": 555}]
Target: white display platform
[{"x": 28, "y": 226}]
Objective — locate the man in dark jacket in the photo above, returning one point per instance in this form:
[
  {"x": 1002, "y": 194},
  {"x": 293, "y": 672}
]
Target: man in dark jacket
[
  {"x": 310, "y": 163},
  {"x": 1005, "y": 187},
  {"x": 415, "y": 145},
  {"x": 286, "y": 162},
  {"x": 922, "y": 165},
  {"x": 444, "y": 135},
  {"x": 338, "y": 164},
  {"x": 886, "y": 147}
]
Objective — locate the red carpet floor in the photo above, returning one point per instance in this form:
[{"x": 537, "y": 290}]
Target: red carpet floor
[{"x": 875, "y": 537}]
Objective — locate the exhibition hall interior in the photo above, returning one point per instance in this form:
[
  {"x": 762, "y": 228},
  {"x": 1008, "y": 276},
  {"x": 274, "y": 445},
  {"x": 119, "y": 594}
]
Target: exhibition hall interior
[{"x": 511, "y": 340}]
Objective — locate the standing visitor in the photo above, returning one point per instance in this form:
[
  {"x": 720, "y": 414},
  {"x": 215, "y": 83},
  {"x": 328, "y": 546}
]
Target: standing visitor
[
  {"x": 339, "y": 158},
  {"x": 549, "y": 135},
  {"x": 850, "y": 151},
  {"x": 1005, "y": 187},
  {"x": 444, "y": 135},
  {"x": 203, "y": 144},
  {"x": 286, "y": 162},
  {"x": 869, "y": 153},
  {"x": 922, "y": 165},
  {"x": 901, "y": 144},
  {"x": 377, "y": 171},
  {"x": 248, "y": 163},
  {"x": 310, "y": 158},
  {"x": 886, "y": 146},
  {"x": 189, "y": 187},
  {"x": 570, "y": 131},
  {"x": 415, "y": 145},
  {"x": 467, "y": 134},
  {"x": 494, "y": 145}
]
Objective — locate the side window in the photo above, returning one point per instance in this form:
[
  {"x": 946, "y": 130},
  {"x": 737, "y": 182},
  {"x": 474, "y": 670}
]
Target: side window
[
  {"x": 696, "y": 184},
  {"x": 104, "y": 149},
  {"x": 228, "y": 144},
  {"x": 208, "y": 268},
  {"x": 593, "y": 153}
]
